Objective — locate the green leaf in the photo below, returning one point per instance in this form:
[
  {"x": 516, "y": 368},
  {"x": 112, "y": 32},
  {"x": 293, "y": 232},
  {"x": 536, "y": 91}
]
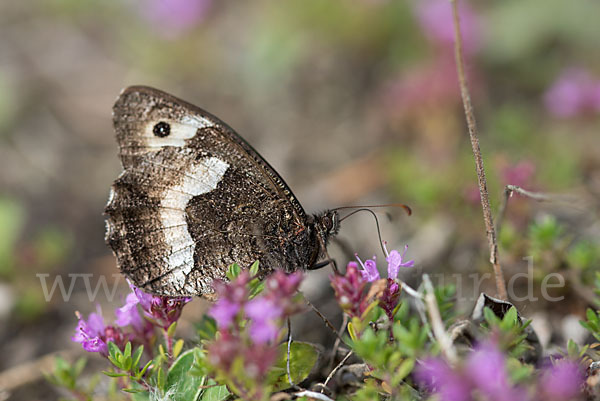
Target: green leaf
[
  {"x": 180, "y": 384},
  {"x": 177, "y": 348},
  {"x": 215, "y": 393},
  {"x": 206, "y": 328},
  {"x": 404, "y": 370},
  {"x": 490, "y": 317},
  {"x": 113, "y": 350},
  {"x": 64, "y": 374},
  {"x": 115, "y": 362},
  {"x": 161, "y": 378},
  {"x": 171, "y": 329},
  {"x": 137, "y": 355},
  {"x": 572, "y": 349},
  {"x": 510, "y": 319},
  {"x": 592, "y": 317},
  {"x": 303, "y": 357},
  {"x": 583, "y": 255},
  {"x": 161, "y": 352},
  {"x": 127, "y": 362},
  {"x": 368, "y": 310},
  {"x": 133, "y": 390},
  {"x": 79, "y": 366},
  {"x": 127, "y": 351},
  {"x": 141, "y": 396},
  {"x": 233, "y": 271},
  {"x": 144, "y": 369},
  {"x": 114, "y": 374},
  {"x": 519, "y": 372},
  {"x": 255, "y": 287},
  {"x": 373, "y": 347},
  {"x": 396, "y": 309},
  {"x": 254, "y": 269},
  {"x": 352, "y": 331},
  {"x": 200, "y": 367}
]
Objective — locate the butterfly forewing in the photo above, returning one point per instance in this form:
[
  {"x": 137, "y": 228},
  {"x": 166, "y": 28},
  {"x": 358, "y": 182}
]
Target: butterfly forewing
[{"x": 194, "y": 198}]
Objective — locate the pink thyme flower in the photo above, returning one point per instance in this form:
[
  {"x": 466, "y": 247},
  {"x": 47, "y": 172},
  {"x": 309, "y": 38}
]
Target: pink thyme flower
[
  {"x": 388, "y": 298},
  {"x": 231, "y": 297},
  {"x": 575, "y": 92},
  {"x": 438, "y": 377},
  {"x": 224, "y": 311},
  {"x": 483, "y": 375},
  {"x": 369, "y": 272},
  {"x": 350, "y": 290},
  {"x": 394, "y": 259},
  {"x": 435, "y": 18},
  {"x": 246, "y": 346},
  {"x": 561, "y": 381},
  {"x": 519, "y": 174},
  {"x": 222, "y": 352},
  {"x": 265, "y": 319},
  {"x": 431, "y": 85},
  {"x": 94, "y": 335},
  {"x": 282, "y": 288},
  {"x": 486, "y": 366},
  {"x": 128, "y": 314},
  {"x": 265, "y": 313},
  {"x": 161, "y": 310},
  {"x": 258, "y": 360},
  {"x": 172, "y": 18}
]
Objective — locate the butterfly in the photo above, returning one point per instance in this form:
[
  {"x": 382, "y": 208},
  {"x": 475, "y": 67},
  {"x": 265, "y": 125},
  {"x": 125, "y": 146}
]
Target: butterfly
[{"x": 194, "y": 198}]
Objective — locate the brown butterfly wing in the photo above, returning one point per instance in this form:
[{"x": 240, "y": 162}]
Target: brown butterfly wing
[{"x": 190, "y": 203}]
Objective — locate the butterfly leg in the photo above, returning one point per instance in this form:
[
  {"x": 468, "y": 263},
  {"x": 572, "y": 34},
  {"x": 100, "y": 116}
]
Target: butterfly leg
[{"x": 324, "y": 263}]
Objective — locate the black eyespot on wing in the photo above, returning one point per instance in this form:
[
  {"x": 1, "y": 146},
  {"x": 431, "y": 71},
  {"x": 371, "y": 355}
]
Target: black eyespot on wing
[{"x": 162, "y": 129}]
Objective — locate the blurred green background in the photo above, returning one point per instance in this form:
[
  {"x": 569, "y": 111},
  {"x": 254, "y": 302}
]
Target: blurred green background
[{"x": 354, "y": 102}]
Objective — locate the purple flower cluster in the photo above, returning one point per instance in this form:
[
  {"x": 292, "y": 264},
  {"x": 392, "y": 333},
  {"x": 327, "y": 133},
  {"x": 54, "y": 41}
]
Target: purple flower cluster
[
  {"x": 484, "y": 376},
  {"x": 94, "y": 335},
  {"x": 350, "y": 288},
  {"x": 573, "y": 94},
  {"x": 435, "y": 18},
  {"x": 519, "y": 174},
  {"x": 172, "y": 18},
  {"x": 265, "y": 313},
  {"x": 561, "y": 381},
  {"x": 161, "y": 311},
  {"x": 249, "y": 328},
  {"x": 432, "y": 85},
  {"x": 130, "y": 324}
]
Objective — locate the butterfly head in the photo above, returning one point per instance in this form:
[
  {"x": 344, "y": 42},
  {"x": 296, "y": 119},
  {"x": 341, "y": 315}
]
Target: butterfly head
[{"x": 327, "y": 224}]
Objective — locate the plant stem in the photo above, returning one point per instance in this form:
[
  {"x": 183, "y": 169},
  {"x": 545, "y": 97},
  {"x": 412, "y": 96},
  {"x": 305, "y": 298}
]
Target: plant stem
[
  {"x": 169, "y": 344},
  {"x": 472, "y": 126}
]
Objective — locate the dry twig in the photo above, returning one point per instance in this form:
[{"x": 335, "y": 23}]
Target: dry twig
[
  {"x": 334, "y": 371},
  {"x": 437, "y": 325},
  {"x": 473, "y": 134},
  {"x": 509, "y": 190}
]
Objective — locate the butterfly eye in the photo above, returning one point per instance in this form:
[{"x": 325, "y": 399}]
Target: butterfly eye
[
  {"x": 161, "y": 129},
  {"x": 328, "y": 223}
]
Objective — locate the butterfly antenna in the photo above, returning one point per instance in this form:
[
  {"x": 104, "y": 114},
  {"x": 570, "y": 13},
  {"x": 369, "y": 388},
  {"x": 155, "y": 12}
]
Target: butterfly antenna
[
  {"x": 406, "y": 208},
  {"x": 364, "y": 209}
]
